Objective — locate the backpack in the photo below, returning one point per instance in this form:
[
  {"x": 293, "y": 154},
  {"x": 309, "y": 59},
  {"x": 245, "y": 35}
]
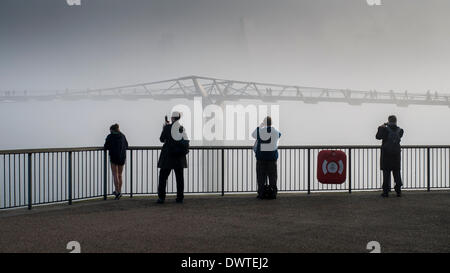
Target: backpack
[
  {"x": 179, "y": 148},
  {"x": 257, "y": 145},
  {"x": 269, "y": 192},
  {"x": 392, "y": 144},
  {"x": 263, "y": 155}
]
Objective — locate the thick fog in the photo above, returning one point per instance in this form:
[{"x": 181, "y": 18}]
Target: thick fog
[{"x": 49, "y": 45}]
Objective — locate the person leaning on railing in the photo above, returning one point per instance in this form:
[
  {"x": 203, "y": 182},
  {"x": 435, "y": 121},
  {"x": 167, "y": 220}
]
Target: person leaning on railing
[
  {"x": 266, "y": 152},
  {"x": 117, "y": 145},
  {"x": 390, "y": 159}
]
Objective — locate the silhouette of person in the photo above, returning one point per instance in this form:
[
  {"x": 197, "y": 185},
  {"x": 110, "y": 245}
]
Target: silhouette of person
[
  {"x": 390, "y": 159},
  {"x": 117, "y": 145},
  {"x": 172, "y": 157},
  {"x": 266, "y": 152}
]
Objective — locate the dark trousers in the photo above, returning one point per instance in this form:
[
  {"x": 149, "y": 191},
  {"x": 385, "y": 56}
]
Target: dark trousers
[
  {"x": 163, "y": 175},
  {"x": 266, "y": 170},
  {"x": 387, "y": 180}
]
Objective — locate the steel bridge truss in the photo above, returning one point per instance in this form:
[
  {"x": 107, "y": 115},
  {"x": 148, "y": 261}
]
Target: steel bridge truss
[{"x": 213, "y": 90}]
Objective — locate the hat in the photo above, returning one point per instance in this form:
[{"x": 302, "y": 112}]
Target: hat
[{"x": 176, "y": 114}]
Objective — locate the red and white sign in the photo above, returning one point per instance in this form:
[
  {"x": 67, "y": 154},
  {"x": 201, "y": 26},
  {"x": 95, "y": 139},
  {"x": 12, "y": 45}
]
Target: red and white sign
[{"x": 331, "y": 167}]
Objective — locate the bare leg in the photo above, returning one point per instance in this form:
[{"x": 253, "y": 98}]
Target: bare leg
[
  {"x": 114, "y": 169},
  {"x": 119, "y": 175}
]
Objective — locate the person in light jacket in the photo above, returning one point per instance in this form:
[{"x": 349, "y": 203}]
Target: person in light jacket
[{"x": 266, "y": 152}]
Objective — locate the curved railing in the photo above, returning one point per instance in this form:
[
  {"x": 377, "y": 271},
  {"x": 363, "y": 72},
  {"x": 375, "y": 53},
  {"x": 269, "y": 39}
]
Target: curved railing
[{"x": 41, "y": 176}]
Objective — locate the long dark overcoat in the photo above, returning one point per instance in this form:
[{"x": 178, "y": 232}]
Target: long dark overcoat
[
  {"x": 388, "y": 162},
  {"x": 167, "y": 160}
]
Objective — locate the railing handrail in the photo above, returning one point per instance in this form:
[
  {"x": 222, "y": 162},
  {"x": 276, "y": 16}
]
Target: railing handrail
[
  {"x": 40, "y": 181},
  {"x": 213, "y": 147}
]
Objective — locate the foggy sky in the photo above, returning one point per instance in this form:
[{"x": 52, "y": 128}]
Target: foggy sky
[
  {"x": 403, "y": 44},
  {"x": 46, "y": 44}
]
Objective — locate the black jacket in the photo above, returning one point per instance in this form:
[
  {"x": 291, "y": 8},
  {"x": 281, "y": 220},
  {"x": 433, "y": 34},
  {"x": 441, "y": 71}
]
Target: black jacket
[
  {"x": 388, "y": 162},
  {"x": 166, "y": 159},
  {"x": 117, "y": 145}
]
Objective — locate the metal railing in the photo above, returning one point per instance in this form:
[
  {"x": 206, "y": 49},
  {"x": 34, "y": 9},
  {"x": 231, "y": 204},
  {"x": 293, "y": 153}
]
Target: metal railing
[{"x": 42, "y": 176}]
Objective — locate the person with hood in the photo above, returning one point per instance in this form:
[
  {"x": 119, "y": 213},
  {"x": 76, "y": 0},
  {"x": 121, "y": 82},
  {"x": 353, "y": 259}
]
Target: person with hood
[
  {"x": 172, "y": 157},
  {"x": 390, "y": 159},
  {"x": 266, "y": 152},
  {"x": 117, "y": 145}
]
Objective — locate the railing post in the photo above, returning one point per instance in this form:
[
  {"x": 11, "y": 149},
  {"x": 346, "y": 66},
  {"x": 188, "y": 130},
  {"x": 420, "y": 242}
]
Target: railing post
[
  {"x": 30, "y": 180},
  {"x": 350, "y": 170},
  {"x": 223, "y": 172},
  {"x": 428, "y": 170},
  {"x": 70, "y": 178},
  {"x": 309, "y": 171},
  {"x": 105, "y": 174},
  {"x": 131, "y": 173}
]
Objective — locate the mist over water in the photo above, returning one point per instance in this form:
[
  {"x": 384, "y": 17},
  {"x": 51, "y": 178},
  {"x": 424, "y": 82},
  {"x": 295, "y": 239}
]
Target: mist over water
[{"x": 85, "y": 123}]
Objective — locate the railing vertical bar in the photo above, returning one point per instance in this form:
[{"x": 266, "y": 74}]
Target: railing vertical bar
[
  {"x": 428, "y": 170},
  {"x": 217, "y": 170},
  {"x": 85, "y": 171},
  {"x": 441, "y": 161},
  {"x": 146, "y": 191},
  {"x": 20, "y": 180},
  {"x": 309, "y": 171},
  {"x": 223, "y": 172},
  {"x": 198, "y": 170},
  {"x": 4, "y": 179},
  {"x": 60, "y": 172},
  {"x": 91, "y": 173},
  {"x": 350, "y": 170},
  {"x": 30, "y": 173},
  {"x": 14, "y": 178},
  {"x": 252, "y": 164},
  {"x": 131, "y": 173},
  {"x": 105, "y": 174},
  {"x": 69, "y": 166},
  {"x": 39, "y": 181}
]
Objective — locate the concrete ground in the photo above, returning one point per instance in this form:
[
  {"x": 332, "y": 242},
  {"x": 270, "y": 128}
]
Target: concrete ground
[{"x": 320, "y": 222}]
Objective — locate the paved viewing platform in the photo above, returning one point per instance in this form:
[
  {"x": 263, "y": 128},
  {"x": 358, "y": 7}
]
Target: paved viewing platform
[{"x": 321, "y": 222}]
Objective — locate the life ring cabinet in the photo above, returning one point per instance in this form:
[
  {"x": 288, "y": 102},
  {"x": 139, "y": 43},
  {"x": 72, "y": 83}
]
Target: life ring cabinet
[{"x": 331, "y": 167}]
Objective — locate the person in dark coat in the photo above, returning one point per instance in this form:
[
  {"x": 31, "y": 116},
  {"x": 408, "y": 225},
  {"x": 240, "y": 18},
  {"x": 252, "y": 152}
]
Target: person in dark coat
[
  {"x": 390, "y": 159},
  {"x": 117, "y": 145},
  {"x": 170, "y": 159}
]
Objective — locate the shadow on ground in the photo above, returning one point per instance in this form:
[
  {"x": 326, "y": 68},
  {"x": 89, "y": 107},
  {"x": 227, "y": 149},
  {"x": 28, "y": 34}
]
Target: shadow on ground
[{"x": 320, "y": 222}]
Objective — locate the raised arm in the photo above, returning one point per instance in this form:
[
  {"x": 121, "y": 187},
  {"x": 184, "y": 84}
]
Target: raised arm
[
  {"x": 163, "y": 137},
  {"x": 381, "y": 132}
]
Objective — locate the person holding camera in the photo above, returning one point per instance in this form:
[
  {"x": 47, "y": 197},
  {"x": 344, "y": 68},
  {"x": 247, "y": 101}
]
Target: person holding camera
[
  {"x": 173, "y": 156},
  {"x": 390, "y": 159}
]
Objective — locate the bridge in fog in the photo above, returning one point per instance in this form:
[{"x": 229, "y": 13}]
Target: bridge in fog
[{"x": 215, "y": 91}]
